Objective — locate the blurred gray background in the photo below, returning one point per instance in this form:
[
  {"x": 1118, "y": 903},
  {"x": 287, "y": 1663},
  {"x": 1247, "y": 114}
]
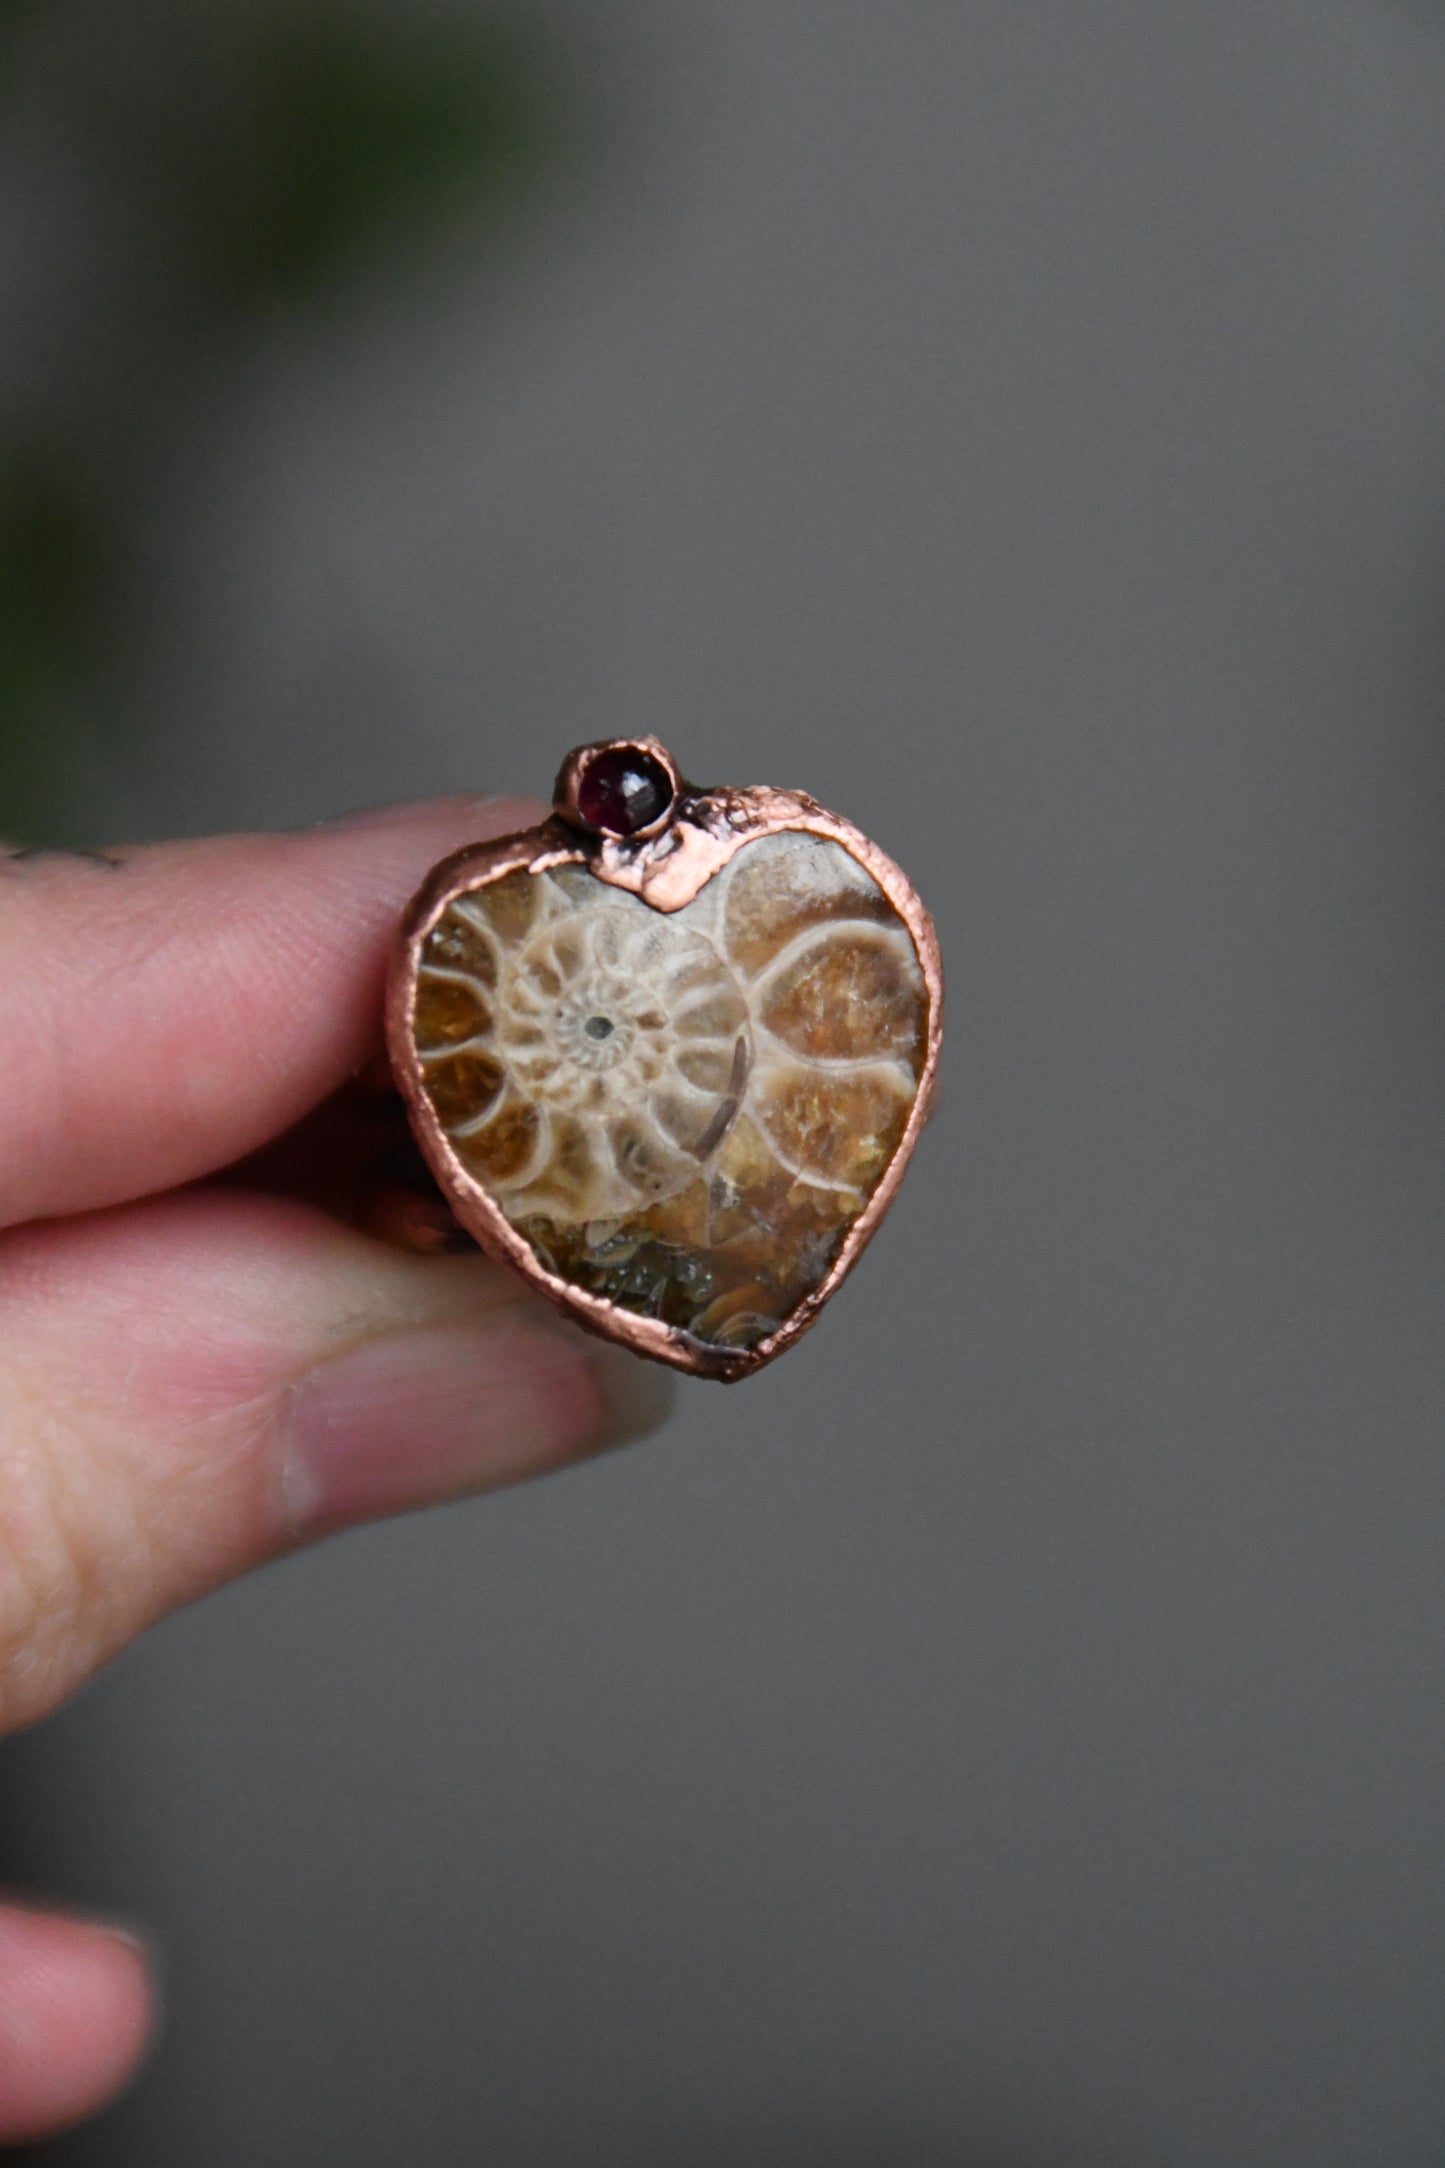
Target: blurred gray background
[{"x": 1009, "y": 1732}]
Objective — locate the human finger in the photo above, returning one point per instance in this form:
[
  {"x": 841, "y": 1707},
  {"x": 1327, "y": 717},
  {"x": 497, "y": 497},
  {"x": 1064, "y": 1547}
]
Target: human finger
[
  {"x": 168, "y": 1009},
  {"x": 194, "y": 1383},
  {"x": 75, "y": 2016}
]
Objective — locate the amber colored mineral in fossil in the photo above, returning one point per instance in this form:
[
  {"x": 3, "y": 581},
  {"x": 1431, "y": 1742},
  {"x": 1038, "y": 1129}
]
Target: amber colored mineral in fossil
[{"x": 683, "y": 1112}]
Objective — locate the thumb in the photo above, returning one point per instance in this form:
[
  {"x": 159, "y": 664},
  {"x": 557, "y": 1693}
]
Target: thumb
[{"x": 193, "y": 1384}]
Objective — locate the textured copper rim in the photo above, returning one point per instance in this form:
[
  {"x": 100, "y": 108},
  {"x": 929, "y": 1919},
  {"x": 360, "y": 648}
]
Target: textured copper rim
[{"x": 665, "y": 863}]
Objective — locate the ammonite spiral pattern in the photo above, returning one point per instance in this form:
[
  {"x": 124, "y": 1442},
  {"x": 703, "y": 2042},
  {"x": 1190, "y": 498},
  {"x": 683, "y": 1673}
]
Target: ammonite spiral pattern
[{"x": 683, "y": 1112}]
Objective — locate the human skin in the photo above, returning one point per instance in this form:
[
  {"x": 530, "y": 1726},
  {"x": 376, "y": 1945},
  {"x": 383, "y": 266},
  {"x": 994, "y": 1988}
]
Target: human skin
[{"x": 199, "y": 1371}]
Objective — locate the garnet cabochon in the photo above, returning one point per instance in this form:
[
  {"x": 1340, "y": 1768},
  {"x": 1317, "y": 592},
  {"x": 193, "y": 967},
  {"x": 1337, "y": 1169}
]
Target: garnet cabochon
[
  {"x": 683, "y": 1114},
  {"x": 622, "y": 790}
]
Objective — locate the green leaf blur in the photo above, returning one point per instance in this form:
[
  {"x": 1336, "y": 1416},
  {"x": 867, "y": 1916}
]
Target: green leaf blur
[{"x": 279, "y": 157}]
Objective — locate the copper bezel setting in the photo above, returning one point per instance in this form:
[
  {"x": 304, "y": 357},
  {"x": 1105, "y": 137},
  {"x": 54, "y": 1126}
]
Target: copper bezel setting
[{"x": 665, "y": 864}]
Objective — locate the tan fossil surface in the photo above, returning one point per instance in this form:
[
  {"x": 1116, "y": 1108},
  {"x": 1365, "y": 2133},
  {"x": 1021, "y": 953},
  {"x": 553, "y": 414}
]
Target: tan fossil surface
[{"x": 682, "y": 1112}]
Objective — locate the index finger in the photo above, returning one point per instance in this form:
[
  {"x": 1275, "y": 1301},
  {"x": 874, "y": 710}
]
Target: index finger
[{"x": 165, "y": 1011}]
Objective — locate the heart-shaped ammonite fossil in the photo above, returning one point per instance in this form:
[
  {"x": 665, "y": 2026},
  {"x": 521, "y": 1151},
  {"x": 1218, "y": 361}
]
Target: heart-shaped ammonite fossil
[{"x": 668, "y": 1053}]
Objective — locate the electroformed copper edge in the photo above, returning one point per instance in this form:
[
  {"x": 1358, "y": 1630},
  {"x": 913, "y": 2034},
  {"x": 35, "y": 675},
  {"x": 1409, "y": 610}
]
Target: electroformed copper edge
[{"x": 666, "y": 865}]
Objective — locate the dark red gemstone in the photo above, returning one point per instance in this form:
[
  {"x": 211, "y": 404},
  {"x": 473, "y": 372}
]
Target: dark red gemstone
[{"x": 623, "y": 790}]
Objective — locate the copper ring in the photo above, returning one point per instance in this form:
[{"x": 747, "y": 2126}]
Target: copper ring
[{"x": 785, "y": 1117}]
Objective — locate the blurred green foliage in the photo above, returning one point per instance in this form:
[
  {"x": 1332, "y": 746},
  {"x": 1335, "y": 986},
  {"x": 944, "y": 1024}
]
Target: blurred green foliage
[
  {"x": 52, "y": 574},
  {"x": 359, "y": 137},
  {"x": 277, "y": 152}
]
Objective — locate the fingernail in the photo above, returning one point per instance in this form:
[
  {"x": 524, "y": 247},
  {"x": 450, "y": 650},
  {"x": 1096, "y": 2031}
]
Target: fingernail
[
  {"x": 134, "y": 1939},
  {"x": 431, "y": 1414},
  {"x": 638, "y": 1396},
  {"x": 20, "y": 1908}
]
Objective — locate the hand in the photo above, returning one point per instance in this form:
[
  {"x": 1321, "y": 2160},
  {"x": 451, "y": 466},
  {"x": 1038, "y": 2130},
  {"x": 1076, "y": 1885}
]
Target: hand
[{"x": 197, "y": 1374}]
